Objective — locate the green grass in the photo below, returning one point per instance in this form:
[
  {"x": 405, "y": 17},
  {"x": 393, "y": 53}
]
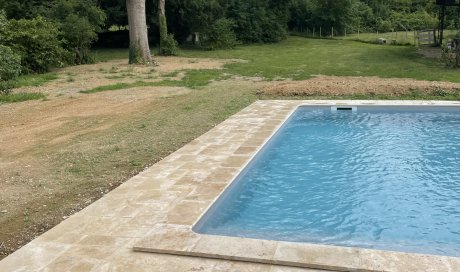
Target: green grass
[
  {"x": 300, "y": 58},
  {"x": 193, "y": 79},
  {"x": 104, "y": 55},
  {"x": 20, "y": 97},
  {"x": 34, "y": 80},
  {"x": 401, "y": 37}
]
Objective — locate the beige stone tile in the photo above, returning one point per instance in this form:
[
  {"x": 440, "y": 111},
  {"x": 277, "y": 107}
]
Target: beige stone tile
[
  {"x": 278, "y": 268},
  {"x": 58, "y": 236},
  {"x": 92, "y": 254},
  {"x": 235, "y": 161},
  {"x": 246, "y": 150},
  {"x": 153, "y": 196},
  {"x": 103, "y": 241},
  {"x": 397, "y": 261},
  {"x": 149, "y": 262},
  {"x": 206, "y": 191},
  {"x": 60, "y": 264},
  {"x": 147, "y": 221},
  {"x": 32, "y": 257},
  {"x": 188, "y": 180},
  {"x": 169, "y": 239},
  {"x": 256, "y": 142},
  {"x": 186, "y": 212},
  {"x": 232, "y": 266},
  {"x": 317, "y": 256},
  {"x": 83, "y": 266},
  {"x": 222, "y": 175},
  {"x": 235, "y": 248},
  {"x": 71, "y": 264},
  {"x": 129, "y": 231},
  {"x": 148, "y": 185},
  {"x": 155, "y": 208},
  {"x": 99, "y": 225}
]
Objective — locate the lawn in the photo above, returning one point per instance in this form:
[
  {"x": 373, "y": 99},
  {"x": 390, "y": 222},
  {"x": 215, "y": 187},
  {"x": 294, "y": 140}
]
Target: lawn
[{"x": 301, "y": 58}]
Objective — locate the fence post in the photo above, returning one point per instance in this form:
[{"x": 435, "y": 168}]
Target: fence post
[
  {"x": 332, "y": 33},
  {"x": 320, "y": 34}
]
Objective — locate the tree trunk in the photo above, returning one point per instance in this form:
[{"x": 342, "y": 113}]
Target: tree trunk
[
  {"x": 139, "y": 51},
  {"x": 162, "y": 22}
]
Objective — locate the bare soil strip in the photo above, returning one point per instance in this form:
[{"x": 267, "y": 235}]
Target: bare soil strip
[{"x": 336, "y": 86}]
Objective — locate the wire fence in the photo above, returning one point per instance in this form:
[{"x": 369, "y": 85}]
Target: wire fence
[{"x": 414, "y": 38}]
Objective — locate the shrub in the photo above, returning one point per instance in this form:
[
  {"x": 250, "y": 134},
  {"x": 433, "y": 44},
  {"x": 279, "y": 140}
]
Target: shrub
[
  {"x": 79, "y": 22},
  {"x": 451, "y": 53},
  {"x": 169, "y": 46},
  {"x": 36, "y": 41},
  {"x": 10, "y": 68},
  {"x": 220, "y": 35},
  {"x": 78, "y": 36}
]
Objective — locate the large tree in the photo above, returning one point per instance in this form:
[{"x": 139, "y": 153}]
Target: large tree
[
  {"x": 162, "y": 22},
  {"x": 139, "y": 51}
]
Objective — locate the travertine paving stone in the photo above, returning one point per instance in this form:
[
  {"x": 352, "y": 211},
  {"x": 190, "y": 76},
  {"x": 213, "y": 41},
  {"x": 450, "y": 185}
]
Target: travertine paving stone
[{"x": 155, "y": 210}]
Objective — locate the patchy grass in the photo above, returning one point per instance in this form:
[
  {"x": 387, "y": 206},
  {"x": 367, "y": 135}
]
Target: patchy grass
[
  {"x": 34, "y": 80},
  {"x": 20, "y": 97},
  {"x": 103, "y": 54},
  {"x": 301, "y": 58},
  {"x": 171, "y": 74},
  {"x": 193, "y": 79}
]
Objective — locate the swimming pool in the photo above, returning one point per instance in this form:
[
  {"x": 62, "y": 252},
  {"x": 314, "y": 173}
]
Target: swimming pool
[{"x": 373, "y": 177}]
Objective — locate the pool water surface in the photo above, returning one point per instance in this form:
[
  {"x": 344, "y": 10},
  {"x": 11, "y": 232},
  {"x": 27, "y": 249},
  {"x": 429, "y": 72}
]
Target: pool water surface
[{"x": 372, "y": 177}]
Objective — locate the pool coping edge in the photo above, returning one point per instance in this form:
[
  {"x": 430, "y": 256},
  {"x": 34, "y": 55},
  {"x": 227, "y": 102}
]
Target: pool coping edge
[{"x": 164, "y": 240}]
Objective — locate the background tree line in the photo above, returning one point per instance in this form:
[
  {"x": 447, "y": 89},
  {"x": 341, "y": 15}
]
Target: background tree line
[{"x": 43, "y": 34}]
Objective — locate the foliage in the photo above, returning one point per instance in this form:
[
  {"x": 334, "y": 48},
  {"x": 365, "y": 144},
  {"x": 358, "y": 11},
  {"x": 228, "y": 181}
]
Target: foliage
[
  {"x": 79, "y": 22},
  {"x": 220, "y": 35},
  {"x": 115, "y": 11},
  {"x": 35, "y": 40},
  {"x": 259, "y": 21},
  {"x": 169, "y": 46},
  {"x": 22, "y": 9},
  {"x": 186, "y": 17},
  {"x": 10, "y": 68},
  {"x": 451, "y": 53}
]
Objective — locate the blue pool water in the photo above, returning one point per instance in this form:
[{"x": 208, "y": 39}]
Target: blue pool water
[{"x": 378, "y": 178}]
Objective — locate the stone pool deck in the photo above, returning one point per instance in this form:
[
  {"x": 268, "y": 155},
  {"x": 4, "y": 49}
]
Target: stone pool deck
[{"x": 155, "y": 210}]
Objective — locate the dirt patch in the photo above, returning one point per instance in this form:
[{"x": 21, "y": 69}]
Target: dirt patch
[
  {"x": 85, "y": 77},
  {"x": 335, "y": 86}
]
